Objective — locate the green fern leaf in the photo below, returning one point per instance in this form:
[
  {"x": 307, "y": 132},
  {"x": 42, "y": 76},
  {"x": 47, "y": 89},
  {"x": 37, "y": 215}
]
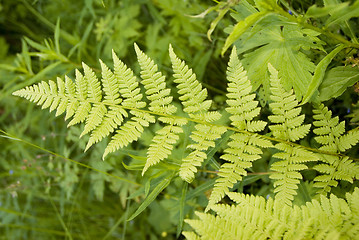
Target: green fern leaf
[
  {"x": 332, "y": 138},
  {"x": 101, "y": 109},
  {"x": 253, "y": 217},
  {"x": 129, "y": 89},
  {"x": 193, "y": 99},
  {"x": 160, "y": 102},
  {"x": 289, "y": 127},
  {"x": 115, "y": 114},
  {"x": 243, "y": 148}
]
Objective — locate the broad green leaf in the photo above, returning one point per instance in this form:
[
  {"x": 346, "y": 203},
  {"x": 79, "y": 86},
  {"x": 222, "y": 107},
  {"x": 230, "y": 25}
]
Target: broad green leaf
[
  {"x": 241, "y": 27},
  {"x": 336, "y": 81},
  {"x": 152, "y": 196},
  {"x": 282, "y": 47},
  {"x": 319, "y": 73}
]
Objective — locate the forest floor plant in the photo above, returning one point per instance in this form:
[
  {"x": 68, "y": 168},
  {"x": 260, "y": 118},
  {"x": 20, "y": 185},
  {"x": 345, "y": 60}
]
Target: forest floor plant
[{"x": 264, "y": 159}]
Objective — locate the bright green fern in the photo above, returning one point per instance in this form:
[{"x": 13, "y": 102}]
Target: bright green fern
[
  {"x": 333, "y": 140},
  {"x": 243, "y": 148},
  {"x": 288, "y": 126},
  {"x": 161, "y": 103},
  {"x": 193, "y": 98},
  {"x": 116, "y": 106},
  {"x": 253, "y": 217}
]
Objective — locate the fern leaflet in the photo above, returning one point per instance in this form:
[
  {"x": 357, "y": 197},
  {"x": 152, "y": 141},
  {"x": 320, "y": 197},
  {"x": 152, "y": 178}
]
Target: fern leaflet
[
  {"x": 193, "y": 99},
  {"x": 253, "y": 217},
  {"x": 160, "y": 102},
  {"x": 243, "y": 148},
  {"x": 332, "y": 138},
  {"x": 288, "y": 125}
]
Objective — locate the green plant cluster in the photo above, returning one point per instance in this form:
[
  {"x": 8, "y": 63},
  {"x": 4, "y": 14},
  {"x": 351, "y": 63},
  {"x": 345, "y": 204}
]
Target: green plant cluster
[{"x": 232, "y": 111}]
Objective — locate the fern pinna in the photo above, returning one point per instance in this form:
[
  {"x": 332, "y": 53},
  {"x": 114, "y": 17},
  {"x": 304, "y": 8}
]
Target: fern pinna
[
  {"x": 115, "y": 107},
  {"x": 254, "y": 217}
]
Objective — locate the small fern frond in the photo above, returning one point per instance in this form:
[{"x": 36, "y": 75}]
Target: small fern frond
[
  {"x": 115, "y": 114},
  {"x": 288, "y": 126},
  {"x": 253, "y": 217},
  {"x": 160, "y": 102},
  {"x": 193, "y": 99},
  {"x": 243, "y": 149},
  {"x": 288, "y": 123},
  {"x": 192, "y": 94},
  {"x": 332, "y": 138},
  {"x": 287, "y": 170}
]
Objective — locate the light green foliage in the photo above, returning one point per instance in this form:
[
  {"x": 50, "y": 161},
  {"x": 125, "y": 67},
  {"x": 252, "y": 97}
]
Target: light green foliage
[
  {"x": 198, "y": 139},
  {"x": 161, "y": 103},
  {"x": 194, "y": 103},
  {"x": 253, "y": 217},
  {"x": 243, "y": 148},
  {"x": 287, "y": 125},
  {"x": 333, "y": 139},
  {"x": 282, "y": 48}
]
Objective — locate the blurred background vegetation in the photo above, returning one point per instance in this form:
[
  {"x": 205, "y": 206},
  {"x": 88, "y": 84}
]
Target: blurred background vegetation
[
  {"x": 49, "y": 187},
  {"x": 72, "y": 194}
]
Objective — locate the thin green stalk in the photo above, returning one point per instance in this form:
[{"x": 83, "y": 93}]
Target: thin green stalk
[
  {"x": 12, "y": 137},
  {"x": 65, "y": 35}
]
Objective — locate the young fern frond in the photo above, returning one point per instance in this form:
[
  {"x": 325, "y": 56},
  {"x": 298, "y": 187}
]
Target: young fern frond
[
  {"x": 288, "y": 125},
  {"x": 193, "y": 99},
  {"x": 243, "y": 148},
  {"x": 332, "y": 138},
  {"x": 160, "y": 102},
  {"x": 256, "y": 218}
]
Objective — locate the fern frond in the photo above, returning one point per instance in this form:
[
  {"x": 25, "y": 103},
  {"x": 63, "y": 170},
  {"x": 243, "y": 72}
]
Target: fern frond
[
  {"x": 203, "y": 137},
  {"x": 288, "y": 126},
  {"x": 332, "y": 138},
  {"x": 101, "y": 108},
  {"x": 193, "y": 99},
  {"x": 115, "y": 114},
  {"x": 160, "y": 102},
  {"x": 253, "y": 217},
  {"x": 129, "y": 89},
  {"x": 243, "y": 148}
]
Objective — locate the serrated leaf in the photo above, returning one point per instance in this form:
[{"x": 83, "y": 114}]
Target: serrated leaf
[{"x": 281, "y": 46}]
